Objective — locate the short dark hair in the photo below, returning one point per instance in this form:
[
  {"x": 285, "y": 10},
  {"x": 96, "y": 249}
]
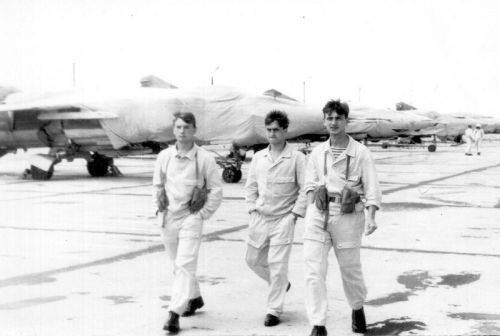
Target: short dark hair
[
  {"x": 337, "y": 106},
  {"x": 187, "y": 117},
  {"x": 278, "y": 116}
]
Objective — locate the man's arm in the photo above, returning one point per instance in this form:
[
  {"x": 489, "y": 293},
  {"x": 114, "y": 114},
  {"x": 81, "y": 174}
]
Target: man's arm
[
  {"x": 372, "y": 192},
  {"x": 159, "y": 197},
  {"x": 299, "y": 209},
  {"x": 251, "y": 187},
  {"x": 214, "y": 185},
  {"x": 311, "y": 180}
]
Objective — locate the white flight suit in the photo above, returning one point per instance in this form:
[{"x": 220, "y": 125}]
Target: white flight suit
[
  {"x": 478, "y": 137},
  {"x": 343, "y": 232},
  {"x": 468, "y": 140},
  {"x": 274, "y": 190},
  {"x": 180, "y": 230}
]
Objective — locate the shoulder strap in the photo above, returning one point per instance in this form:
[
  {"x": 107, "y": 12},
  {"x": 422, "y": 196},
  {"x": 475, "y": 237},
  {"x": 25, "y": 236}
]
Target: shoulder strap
[
  {"x": 164, "y": 176},
  {"x": 197, "y": 171},
  {"x": 325, "y": 172},
  {"x": 347, "y": 168}
]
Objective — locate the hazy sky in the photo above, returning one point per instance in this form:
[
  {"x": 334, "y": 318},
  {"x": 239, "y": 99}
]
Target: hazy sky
[{"x": 442, "y": 55}]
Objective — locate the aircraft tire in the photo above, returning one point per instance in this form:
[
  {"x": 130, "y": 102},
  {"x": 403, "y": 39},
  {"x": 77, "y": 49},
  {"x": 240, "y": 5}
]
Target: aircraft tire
[
  {"x": 230, "y": 175},
  {"x": 98, "y": 166},
  {"x": 238, "y": 176},
  {"x": 431, "y": 148},
  {"x": 385, "y": 145},
  {"x": 40, "y": 174}
]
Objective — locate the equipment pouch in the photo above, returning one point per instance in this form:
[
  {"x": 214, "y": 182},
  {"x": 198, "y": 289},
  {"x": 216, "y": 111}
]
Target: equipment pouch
[
  {"x": 198, "y": 199},
  {"x": 200, "y": 195},
  {"x": 321, "y": 197},
  {"x": 349, "y": 199},
  {"x": 162, "y": 199}
]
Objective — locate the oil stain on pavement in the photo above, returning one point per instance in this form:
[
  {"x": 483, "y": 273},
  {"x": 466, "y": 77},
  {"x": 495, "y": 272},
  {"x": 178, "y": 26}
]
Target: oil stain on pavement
[
  {"x": 30, "y": 302},
  {"x": 391, "y": 298},
  {"x": 211, "y": 280},
  {"x": 475, "y": 316},
  {"x": 119, "y": 299},
  {"x": 419, "y": 280},
  {"x": 395, "y": 326}
]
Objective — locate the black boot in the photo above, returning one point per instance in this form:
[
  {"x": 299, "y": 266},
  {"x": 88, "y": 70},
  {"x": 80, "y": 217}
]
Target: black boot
[
  {"x": 271, "y": 320},
  {"x": 358, "y": 321},
  {"x": 172, "y": 324},
  {"x": 318, "y": 331},
  {"x": 193, "y": 304}
]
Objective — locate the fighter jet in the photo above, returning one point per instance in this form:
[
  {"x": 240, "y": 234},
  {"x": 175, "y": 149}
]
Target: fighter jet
[
  {"x": 100, "y": 126},
  {"x": 450, "y": 126}
]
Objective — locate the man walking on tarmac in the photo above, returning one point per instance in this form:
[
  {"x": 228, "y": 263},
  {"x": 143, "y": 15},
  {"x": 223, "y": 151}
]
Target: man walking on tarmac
[
  {"x": 275, "y": 197},
  {"x": 186, "y": 191},
  {"x": 341, "y": 182},
  {"x": 477, "y": 136},
  {"x": 469, "y": 140}
]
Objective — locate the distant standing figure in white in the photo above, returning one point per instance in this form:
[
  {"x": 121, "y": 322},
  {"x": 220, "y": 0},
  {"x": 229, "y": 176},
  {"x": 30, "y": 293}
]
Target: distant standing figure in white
[
  {"x": 478, "y": 137},
  {"x": 468, "y": 136}
]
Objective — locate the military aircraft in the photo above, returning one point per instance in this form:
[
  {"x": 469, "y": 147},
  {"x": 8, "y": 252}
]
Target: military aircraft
[
  {"x": 100, "y": 126},
  {"x": 450, "y": 126}
]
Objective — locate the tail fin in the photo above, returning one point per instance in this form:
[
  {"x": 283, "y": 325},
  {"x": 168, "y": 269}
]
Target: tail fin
[
  {"x": 5, "y": 91},
  {"x": 402, "y": 106},
  {"x": 156, "y": 82}
]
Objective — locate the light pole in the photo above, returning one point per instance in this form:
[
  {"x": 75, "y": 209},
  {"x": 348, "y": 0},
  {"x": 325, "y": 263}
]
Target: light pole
[
  {"x": 213, "y": 73},
  {"x": 304, "y": 91}
]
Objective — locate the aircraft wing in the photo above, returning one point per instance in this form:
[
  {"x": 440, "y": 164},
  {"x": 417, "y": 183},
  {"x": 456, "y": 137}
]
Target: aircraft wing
[{"x": 82, "y": 124}]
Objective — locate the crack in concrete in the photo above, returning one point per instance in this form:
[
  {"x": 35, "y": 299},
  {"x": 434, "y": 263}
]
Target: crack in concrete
[
  {"x": 39, "y": 277},
  {"x": 419, "y": 184}
]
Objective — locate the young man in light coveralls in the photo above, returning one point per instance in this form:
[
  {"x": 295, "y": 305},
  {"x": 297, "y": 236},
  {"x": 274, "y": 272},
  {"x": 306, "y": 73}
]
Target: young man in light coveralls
[
  {"x": 342, "y": 231},
  {"x": 178, "y": 170},
  {"x": 275, "y": 198}
]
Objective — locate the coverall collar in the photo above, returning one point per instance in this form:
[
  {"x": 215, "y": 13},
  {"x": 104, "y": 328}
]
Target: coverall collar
[
  {"x": 285, "y": 153},
  {"x": 350, "y": 149},
  {"x": 190, "y": 155}
]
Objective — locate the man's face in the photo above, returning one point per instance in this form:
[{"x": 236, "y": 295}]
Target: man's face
[
  {"x": 335, "y": 123},
  {"x": 275, "y": 133},
  {"x": 183, "y": 131}
]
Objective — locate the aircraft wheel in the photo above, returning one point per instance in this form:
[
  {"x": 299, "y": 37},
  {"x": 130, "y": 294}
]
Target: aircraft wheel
[
  {"x": 39, "y": 174},
  {"x": 385, "y": 145},
  {"x": 230, "y": 175},
  {"x": 99, "y": 165},
  {"x": 431, "y": 148},
  {"x": 237, "y": 177}
]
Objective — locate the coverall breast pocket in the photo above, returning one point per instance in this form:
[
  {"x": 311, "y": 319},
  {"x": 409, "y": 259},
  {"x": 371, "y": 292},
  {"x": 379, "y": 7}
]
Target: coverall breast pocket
[{"x": 284, "y": 185}]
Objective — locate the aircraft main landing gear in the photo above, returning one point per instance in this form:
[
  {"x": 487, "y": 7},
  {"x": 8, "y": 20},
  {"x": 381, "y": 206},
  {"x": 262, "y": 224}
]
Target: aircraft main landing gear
[
  {"x": 231, "y": 175},
  {"x": 100, "y": 165},
  {"x": 231, "y": 168}
]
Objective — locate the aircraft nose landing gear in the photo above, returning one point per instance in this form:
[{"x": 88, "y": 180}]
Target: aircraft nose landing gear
[{"x": 100, "y": 165}]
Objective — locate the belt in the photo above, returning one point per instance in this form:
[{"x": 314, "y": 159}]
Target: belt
[
  {"x": 335, "y": 199},
  {"x": 338, "y": 199}
]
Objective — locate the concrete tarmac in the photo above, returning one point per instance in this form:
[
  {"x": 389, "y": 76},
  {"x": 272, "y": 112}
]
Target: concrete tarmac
[{"x": 82, "y": 255}]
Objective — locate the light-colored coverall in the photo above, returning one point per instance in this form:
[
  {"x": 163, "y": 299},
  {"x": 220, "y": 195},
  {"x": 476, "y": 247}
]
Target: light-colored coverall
[
  {"x": 274, "y": 190},
  {"x": 343, "y": 232},
  {"x": 469, "y": 140},
  {"x": 180, "y": 230},
  {"x": 478, "y": 138}
]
